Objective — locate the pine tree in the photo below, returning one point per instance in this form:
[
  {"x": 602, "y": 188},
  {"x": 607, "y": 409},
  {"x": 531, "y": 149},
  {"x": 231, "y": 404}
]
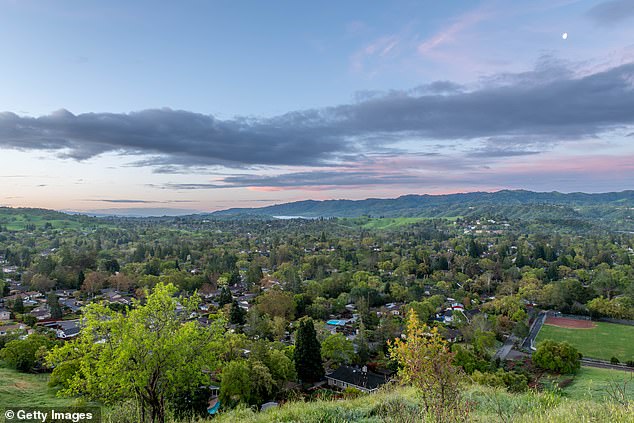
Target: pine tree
[
  {"x": 363, "y": 349},
  {"x": 53, "y": 304},
  {"x": 307, "y": 353},
  {"x": 225, "y": 296},
  {"x": 18, "y": 306},
  {"x": 237, "y": 315}
]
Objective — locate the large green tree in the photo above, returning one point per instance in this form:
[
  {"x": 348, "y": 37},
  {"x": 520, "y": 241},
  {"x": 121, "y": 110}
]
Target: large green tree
[
  {"x": 27, "y": 354},
  {"x": 560, "y": 357},
  {"x": 337, "y": 349},
  {"x": 152, "y": 355},
  {"x": 307, "y": 354}
]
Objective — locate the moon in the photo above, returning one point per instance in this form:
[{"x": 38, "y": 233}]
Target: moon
[{"x": 564, "y": 36}]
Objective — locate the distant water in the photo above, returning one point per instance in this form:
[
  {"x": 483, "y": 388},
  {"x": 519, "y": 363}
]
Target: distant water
[{"x": 293, "y": 217}]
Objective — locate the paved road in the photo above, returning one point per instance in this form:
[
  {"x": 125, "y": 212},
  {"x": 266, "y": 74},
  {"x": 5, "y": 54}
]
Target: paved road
[
  {"x": 532, "y": 334},
  {"x": 505, "y": 349}
]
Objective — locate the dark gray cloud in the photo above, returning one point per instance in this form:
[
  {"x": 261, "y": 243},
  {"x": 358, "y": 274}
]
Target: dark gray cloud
[
  {"x": 612, "y": 11},
  {"x": 541, "y": 107},
  {"x": 316, "y": 178},
  {"x": 508, "y": 147}
]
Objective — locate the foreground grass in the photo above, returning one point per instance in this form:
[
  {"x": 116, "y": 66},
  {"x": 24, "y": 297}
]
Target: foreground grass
[
  {"x": 402, "y": 405},
  {"x": 592, "y": 383},
  {"x": 22, "y": 389},
  {"x": 582, "y": 401},
  {"x": 603, "y": 341}
]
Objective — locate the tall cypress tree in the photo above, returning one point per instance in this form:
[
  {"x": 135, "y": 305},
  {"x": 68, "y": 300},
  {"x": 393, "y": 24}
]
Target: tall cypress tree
[
  {"x": 307, "y": 353},
  {"x": 53, "y": 304},
  {"x": 225, "y": 296},
  {"x": 237, "y": 315}
]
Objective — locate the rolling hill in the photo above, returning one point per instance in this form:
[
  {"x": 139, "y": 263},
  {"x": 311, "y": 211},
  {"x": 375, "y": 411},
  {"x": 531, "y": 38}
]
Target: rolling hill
[{"x": 511, "y": 204}]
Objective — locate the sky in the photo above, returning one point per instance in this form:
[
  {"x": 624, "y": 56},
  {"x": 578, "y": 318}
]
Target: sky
[{"x": 207, "y": 105}]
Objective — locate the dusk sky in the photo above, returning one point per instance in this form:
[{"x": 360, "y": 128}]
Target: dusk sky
[{"x": 205, "y": 105}]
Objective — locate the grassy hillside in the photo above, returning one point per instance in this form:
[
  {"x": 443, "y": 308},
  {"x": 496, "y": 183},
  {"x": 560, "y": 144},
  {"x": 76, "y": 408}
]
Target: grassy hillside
[
  {"x": 603, "y": 341},
  {"x": 401, "y": 405},
  {"x": 28, "y": 390},
  {"x": 593, "y": 383},
  {"x": 17, "y": 219},
  {"x": 583, "y": 400}
]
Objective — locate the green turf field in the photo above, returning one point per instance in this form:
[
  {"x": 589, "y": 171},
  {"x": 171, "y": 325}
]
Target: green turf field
[
  {"x": 22, "y": 389},
  {"x": 603, "y": 341}
]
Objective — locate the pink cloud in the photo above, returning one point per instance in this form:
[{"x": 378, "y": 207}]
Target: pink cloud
[
  {"x": 379, "y": 48},
  {"x": 450, "y": 33}
]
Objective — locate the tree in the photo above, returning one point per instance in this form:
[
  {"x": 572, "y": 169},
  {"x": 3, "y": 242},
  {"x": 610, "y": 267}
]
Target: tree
[
  {"x": 363, "y": 349},
  {"x": 483, "y": 341},
  {"x": 280, "y": 366},
  {"x": 235, "y": 385},
  {"x": 254, "y": 274},
  {"x": 111, "y": 265},
  {"x": 151, "y": 355},
  {"x": 93, "y": 282},
  {"x": 120, "y": 281},
  {"x": 225, "y": 296},
  {"x": 25, "y": 355},
  {"x": 337, "y": 349},
  {"x": 262, "y": 382},
  {"x": 560, "y": 357},
  {"x": 53, "y": 304},
  {"x": 42, "y": 283},
  {"x": 18, "y": 305},
  {"x": 258, "y": 325},
  {"x": 237, "y": 315},
  {"x": 246, "y": 381},
  {"x": 426, "y": 362},
  {"x": 276, "y": 302},
  {"x": 29, "y": 319},
  {"x": 307, "y": 354}
]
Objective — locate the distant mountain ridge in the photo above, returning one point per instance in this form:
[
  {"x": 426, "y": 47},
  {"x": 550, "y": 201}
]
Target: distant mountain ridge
[{"x": 508, "y": 202}]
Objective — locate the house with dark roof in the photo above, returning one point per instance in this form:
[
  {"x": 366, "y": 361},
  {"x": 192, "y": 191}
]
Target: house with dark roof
[
  {"x": 361, "y": 379},
  {"x": 65, "y": 329}
]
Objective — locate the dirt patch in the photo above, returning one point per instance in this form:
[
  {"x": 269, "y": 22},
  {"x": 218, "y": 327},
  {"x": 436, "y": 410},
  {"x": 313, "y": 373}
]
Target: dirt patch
[
  {"x": 22, "y": 385},
  {"x": 563, "y": 322}
]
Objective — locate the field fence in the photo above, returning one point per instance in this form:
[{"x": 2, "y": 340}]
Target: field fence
[
  {"x": 617, "y": 321},
  {"x": 568, "y": 316}
]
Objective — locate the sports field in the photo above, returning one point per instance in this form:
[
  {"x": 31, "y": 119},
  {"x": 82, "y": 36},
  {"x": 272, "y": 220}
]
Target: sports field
[{"x": 595, "y": 340}]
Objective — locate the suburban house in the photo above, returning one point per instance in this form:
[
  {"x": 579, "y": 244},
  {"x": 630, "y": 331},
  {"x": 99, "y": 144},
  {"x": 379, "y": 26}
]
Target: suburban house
[
  {"x": 65, "y": 329},
  {"x": 453, "y": 335},
  {"x": 361, "y": 379},
  {"x": 6, "y": 329},
  {"x": 391, "y": 309},
  {"x": 41, "y": 313},
  {"x": 5, "y": 314}
]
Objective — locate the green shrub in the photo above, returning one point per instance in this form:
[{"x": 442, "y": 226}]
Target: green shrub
[
  {"x": 511, "y": 381},
  {"x": 25, "y": 355},
  {"x": 560, "y": 357}
]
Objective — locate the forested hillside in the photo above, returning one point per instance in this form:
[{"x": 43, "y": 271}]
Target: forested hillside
[{"x": 615, "y": 207}]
